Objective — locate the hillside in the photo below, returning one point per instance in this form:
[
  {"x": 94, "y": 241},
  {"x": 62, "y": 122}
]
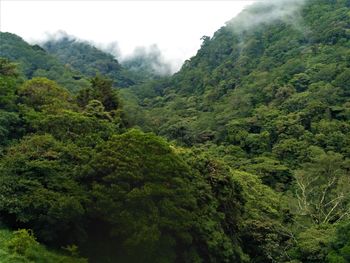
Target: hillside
[
  {"x": 238, "y": 73},
  {"x": 269, "y": 94},
  {"x": 143, "y": 65},
  {"x": 34, "y": 61},
  {"x": 75, "y": 174},
  {"x": 243, "y": 156},
  {"x": 89, "y": 60}
]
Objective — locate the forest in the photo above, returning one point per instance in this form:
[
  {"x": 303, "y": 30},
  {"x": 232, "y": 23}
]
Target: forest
[{"x": 242, "y": 156}]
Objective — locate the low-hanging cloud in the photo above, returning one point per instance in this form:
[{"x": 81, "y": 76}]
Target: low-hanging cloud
[
  {"x": 57, "y": 36},
  {"x": 152, "y": 58},
  {"x": 148, "y": 58},
  {"x": 264, "y": 12},
  {"x": 111, "y": 48}
]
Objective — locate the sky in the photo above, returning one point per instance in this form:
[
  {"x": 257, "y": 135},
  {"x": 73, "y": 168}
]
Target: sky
[{"x": 174, "y": 26}]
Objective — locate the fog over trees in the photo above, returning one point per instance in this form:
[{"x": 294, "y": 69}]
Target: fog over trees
[{"x": 243, "y": 155}]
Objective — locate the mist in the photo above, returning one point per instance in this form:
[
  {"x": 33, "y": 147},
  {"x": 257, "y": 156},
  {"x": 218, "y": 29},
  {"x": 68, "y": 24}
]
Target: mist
[
  {"x": 146, "y": 58},
  {"x": 149, "y": 59},
  {"x": 267, "y": 12}
]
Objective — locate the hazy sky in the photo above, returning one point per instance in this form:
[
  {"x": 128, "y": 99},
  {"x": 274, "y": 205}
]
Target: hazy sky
[{"x": 175, "y": 26}]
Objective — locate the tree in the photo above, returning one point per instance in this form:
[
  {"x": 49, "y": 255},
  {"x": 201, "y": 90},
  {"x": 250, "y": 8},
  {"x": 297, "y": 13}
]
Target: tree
[
  {"x": 101, "y": 89},
  {"x": 340, "y": 247},
  {"x": 263, "y": 236},
  {"x": 322, "y": 189},
  {"x": 8, "y": 68},
  {"x": 70, "y": 126},
  {"x": 300, "y": 81},
  {"x": 270, "y": 171},
  {"x": 343, "y": 81},
  {"x": 141, "y": 188},
  {"x": 96, "y": 109},
  {"x": 163, "y": 205},
  {"x": 8, "y": 75},
  {"x": 312, "y": 244},
  {"x": 10, "y": 127},
  {"x": 41, "y": 93},
  {"x": 39, "y": 189}
]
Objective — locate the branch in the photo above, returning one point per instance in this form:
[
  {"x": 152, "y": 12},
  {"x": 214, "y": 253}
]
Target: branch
[{"x": 326, "y": 220}]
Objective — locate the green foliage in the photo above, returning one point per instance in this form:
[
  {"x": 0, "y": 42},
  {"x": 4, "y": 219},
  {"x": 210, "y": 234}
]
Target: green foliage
[
  {"x": 102, "y": 101},
  {"x": 340, "y": 251},
  {"x": 10, "y": 127},
  {"x": 220, "y": 206},
  {"x": 40, "y": 188},
  {"x": 270, "y": 99},
  {"x": 313, "y": 244},
  {"x": 7, "y": 68},
  {"x": 262, "y": 111},
  {"x": 35, "y": 62},
  {"x": 262, "y": 232},
  {"x": 271, "y": 172},
  {"x": 8, "y": 74},
  {"x": 22, "y": 240},
  {"x": 42, "y": 93},
  {"x": 101, "y": 89},
  {"x": 142, "y": 188},
  {"x": 21, "y": 246},
  {"x": 87, "y": 59},
  {"x": 261, "y": 89}
]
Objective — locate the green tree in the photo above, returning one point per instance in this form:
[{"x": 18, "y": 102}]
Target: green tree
[
  {"x": 159, "y": 208},
  {"x": 340, "y": 247},
  {"x": 141, "y": 189},
  {"x": 42, "y": 93},
  {"x": 8, "y": 83},
  {"x": 101, "y": 89},
  {"x": 312, "y": 244},
  {"x": 40, "y": 189}
]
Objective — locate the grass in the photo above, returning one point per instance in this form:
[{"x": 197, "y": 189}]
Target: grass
[{"x": 21, "y": 247}]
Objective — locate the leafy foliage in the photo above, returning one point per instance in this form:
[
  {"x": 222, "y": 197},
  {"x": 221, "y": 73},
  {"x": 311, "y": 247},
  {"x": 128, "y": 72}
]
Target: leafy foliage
[
  {"x": 34, "y": 61},
  {"x": 21, "y": 246},
  {"x": 38, "y": 176},
  {"x": 85, "y": 58},
  {"x": 257, "y": 170}
]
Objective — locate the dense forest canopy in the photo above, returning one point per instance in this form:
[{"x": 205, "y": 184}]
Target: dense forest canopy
[
  {"x": 34, "y": 61},
  {"x": 241, "y": 156},
  {"x": 88, "y": 60}
]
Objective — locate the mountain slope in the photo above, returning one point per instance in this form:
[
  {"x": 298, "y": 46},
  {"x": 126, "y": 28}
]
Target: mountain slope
[
  {"x": 258, "y": 170},
  {"x": 88, "y": 60},
  {"x": 269, "y": 94},
  {"x": 36, "y": 62},
  {"x": 284, "y": 67}
]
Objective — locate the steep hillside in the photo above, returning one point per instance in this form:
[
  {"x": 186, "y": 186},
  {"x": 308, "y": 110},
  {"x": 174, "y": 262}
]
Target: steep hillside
[
  {"x": 269, "y": 94},
  {"x": 260, "y": 80},
  {"x": 72, "y": 172},
  {"x": 89, "y": 60},
  {"x": 34, "y": 61},
  {"x": 257, "y": 169}
]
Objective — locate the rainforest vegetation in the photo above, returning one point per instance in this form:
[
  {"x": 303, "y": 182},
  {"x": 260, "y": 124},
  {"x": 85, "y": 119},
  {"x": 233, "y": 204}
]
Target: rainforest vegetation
[{"x": 241, "y": 156}]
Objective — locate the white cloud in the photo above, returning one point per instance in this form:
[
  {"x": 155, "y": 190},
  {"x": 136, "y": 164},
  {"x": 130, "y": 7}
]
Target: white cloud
[{"x": 174, "y": 26}]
